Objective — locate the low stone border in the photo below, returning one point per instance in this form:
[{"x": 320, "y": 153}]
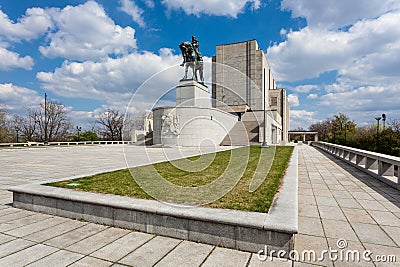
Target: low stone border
[{"x": 247, "y": 231}]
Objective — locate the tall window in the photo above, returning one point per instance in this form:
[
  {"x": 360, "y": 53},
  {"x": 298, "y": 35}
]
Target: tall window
[{"x": 273, "y": 101}]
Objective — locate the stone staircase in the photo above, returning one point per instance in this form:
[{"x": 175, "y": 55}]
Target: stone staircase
[
  {"x": 148, "y": 140},
  {"x": 244, "y": 133}
]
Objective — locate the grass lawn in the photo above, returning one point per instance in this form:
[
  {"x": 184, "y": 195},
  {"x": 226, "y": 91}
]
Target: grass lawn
[{"x": 122, "y": 183}]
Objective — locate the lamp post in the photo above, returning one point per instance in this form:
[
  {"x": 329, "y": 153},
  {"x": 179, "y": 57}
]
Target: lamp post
[
  {"x": 45, "y": 118},
  {"x": 264, "y": 143},
  {"x": 17, "y": 131},
  {"x": 377, "y": 132},
  {"x": 78, "y": 129},
  {"x": 383, "y": 120}
]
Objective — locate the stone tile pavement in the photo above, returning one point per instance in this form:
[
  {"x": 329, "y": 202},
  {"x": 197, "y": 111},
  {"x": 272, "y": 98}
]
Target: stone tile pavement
[{"x": 335, "y": 202}]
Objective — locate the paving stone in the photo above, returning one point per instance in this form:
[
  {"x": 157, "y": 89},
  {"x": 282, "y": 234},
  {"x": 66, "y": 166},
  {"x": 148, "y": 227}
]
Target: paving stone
[
  {"x": 341, "y": 194},
  {"x": 326, "y": 201},
  {"x": 371, "y": 204},
  {"x": 371, "y": 233},
  {"x": 358, "y": 215},
  {"x": 151, "y": 252},
  {"x": 122, "y": 246},
  {"x": 393, "y": 232},
  {"x": 36, "y": 227},
  {"x": 339, "y": 229},
  {"x": 385, "y": 218},
  {"x": 13, "y": 246},
  {"x": 308, "y": 211},
  {"x": 27, "y": 255},
  {"x": 383, "y": 252},
  {"x": 5, "y": 238},
  {"x": 16, "y": 214},
  {"x": 306, "y": 200},
  {"x": 322, "y": 192},
  {"x": 315, "y": 243},
  {"x": 332, "y": 213},
  {"x": 310, "y": 226},
  {"x": 348, "y": 203},
  {"x": 6, "y": 226},
  {"x": 348, "y": 259},
  {"x": 59, "y": 258},
  {"x": 186, "y": 254},
  {"x": 90, "y": 261},
  {"x": 226, "y": 257},
  {"x": 269, "y": 262},
  {"x": 75, "y": 236},
  {"x": 96, "y": 241},
  {"x": 55, "y": 231}
]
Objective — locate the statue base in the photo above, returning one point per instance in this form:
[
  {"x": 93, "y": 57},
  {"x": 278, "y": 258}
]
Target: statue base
[{"x": 190, "y": 93}]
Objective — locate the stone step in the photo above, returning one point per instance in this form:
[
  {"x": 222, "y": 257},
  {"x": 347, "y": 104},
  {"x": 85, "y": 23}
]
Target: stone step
[{"x": 243, "y": 133}]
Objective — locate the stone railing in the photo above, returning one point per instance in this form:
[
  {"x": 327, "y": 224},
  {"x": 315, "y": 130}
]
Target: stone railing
[
  {"x": 383, "y": 167},
  {"x": 29, "y": 144}
]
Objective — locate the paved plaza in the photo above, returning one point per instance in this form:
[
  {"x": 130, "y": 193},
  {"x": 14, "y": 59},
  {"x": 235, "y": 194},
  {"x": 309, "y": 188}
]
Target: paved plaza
[{"x": 336, "y": 202}]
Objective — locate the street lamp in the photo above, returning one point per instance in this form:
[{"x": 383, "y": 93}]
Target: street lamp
[
  {"x": 383, "y": 119},
  {"x": 79, "y": 129},
  {"x": 17, "y": 131},
  {"x": 45, "y": 118},
  {"x": 377, "y": 132}
]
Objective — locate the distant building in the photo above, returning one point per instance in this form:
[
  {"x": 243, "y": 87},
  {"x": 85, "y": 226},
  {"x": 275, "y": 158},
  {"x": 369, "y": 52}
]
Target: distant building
[{"x": 243, "y": 84}]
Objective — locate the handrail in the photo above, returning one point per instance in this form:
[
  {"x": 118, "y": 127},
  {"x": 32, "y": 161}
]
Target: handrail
[
  {"x": 66, "y": 143},
  {"x": 383, "y": 167}
]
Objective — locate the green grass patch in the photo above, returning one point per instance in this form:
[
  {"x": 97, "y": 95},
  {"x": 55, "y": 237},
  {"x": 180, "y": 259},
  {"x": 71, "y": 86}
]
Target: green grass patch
[{"x": 122, "y": 183}]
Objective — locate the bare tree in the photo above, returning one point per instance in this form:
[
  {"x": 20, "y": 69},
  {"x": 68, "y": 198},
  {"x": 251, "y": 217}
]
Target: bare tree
[
  {"x": 28, "y": 124},
  {"x": 56, "y": 124},
  {"x": 395, "y": 125},
  {"x": 111, "y": 124},
  {"x": 4, "y": 127}
]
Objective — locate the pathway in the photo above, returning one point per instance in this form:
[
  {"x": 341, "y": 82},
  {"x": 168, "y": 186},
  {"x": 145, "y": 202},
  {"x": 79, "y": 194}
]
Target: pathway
[{"x": 335, "y": 201}]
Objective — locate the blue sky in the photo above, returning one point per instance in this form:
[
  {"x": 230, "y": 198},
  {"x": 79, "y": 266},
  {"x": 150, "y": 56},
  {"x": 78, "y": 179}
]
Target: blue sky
[{"x": 332, "y": 56}]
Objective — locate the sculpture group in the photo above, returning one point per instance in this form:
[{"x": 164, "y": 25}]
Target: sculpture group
[{"x": 192, "y": 58}]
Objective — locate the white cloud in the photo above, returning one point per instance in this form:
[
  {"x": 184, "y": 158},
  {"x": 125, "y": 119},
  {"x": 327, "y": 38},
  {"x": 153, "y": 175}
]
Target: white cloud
[
  {"x": 10, "y": 60},
  {"x": 114, "y": 77},
  {"x": 34, "y": 24},
  {"x": 87, "y": 32},
  {"x": 312, "y": 96},
  {"x": 305, "y": 88},
  {"x": 363, "y": 98},
  {"x": 216, "y": 7},
  {"x": 130, "y": 8},
  {"x": 149, "y": 3},
  {"x": 337, "y": 13},
  {"x": 17, "y": 98},
  {"x": 369, "y": 48},
  {"x": 293, "y": 100},
  {"x": 301, "y": 118}
]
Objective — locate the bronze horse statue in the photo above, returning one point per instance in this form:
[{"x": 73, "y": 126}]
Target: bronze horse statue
[{"x": 192, "y": 58}]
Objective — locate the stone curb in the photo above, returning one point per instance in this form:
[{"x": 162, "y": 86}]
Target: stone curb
[{"x": 242, "y": 230}]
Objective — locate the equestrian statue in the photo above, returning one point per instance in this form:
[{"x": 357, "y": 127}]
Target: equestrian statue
[{"x": 193, "y": 59}]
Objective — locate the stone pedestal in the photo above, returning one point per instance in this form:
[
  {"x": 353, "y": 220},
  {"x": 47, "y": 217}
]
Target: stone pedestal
[{"x": 190, "y": 93}]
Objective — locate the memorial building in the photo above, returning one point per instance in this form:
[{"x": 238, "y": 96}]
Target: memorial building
[{"x": 244, "y": 104}]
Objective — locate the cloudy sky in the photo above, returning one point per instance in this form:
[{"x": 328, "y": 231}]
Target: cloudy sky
[{"x": 332, "y": 55}]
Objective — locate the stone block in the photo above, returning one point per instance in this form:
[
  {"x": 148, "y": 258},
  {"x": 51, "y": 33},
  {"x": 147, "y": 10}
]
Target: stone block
[
  {"x": 98, "y": 213},
  {"x": 212, "y": 233},
  {"x": 44, "y": 204},
  {"x": 130, "y": 219},
  {"x": 69, "y": 209},
  {"x": 167, "y": 226},
  {"x": 252, "y": 240}
]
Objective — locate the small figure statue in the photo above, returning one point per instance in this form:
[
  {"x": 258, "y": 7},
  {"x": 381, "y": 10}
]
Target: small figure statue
[
  {"x": 170, "y": 125},
  {"x": 192, "y": 58}
]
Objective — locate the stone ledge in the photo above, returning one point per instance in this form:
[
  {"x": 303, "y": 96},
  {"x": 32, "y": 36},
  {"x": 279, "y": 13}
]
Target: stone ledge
[{"x": 248, "y": 231}]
